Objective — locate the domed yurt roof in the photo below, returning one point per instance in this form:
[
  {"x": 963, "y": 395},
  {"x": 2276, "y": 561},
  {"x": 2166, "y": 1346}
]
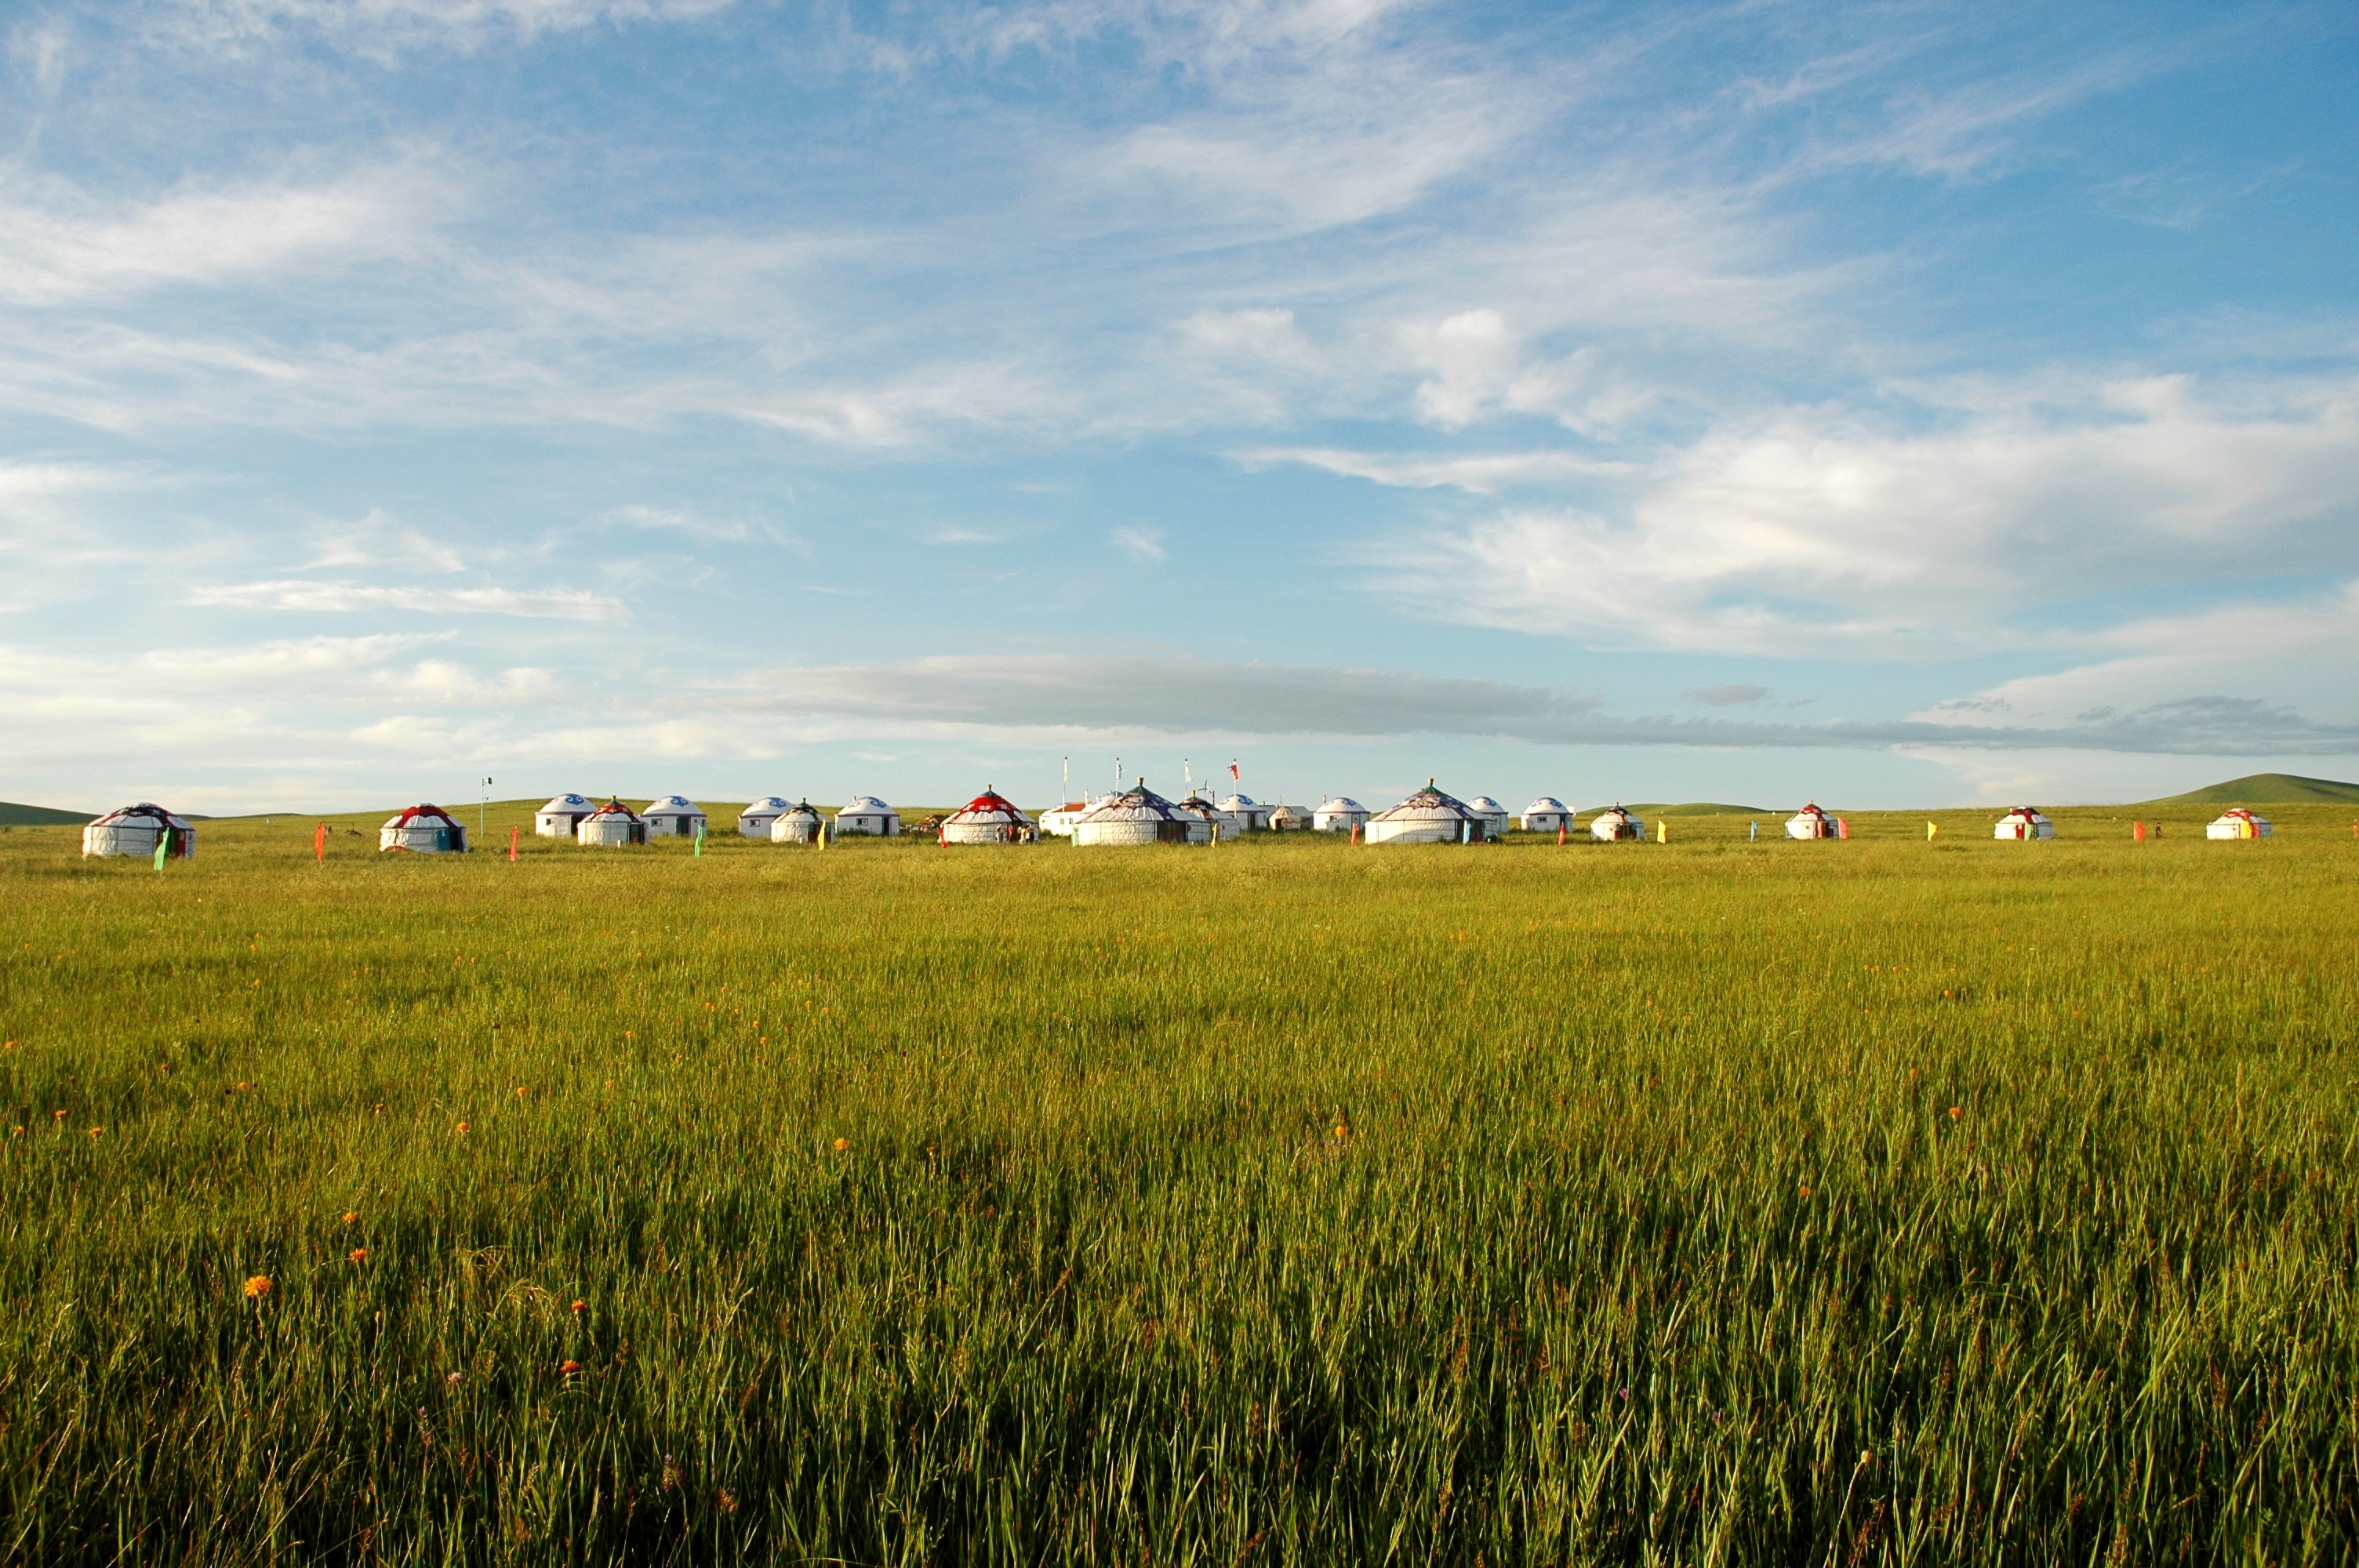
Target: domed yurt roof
[
  {"x": 2238, "y": 822},
  {"x": 804, "y": 810},
  {"x": 1429, "y": 804},
  {"x": 1290, "y": 817},
  {"x": 423, "y": 817},
  {"x": 1483, "y": 805},
  {"x": 147, "y": 814},
  {"x": 673, "y": 805},
  {"x": 613, "y": 811},
  {"x": 1137, "y": 803},
  {"x": 769, "y": 805},
  {"x": 1341, "y": 803},
  {"x": 1545, "y": 804},
  {"x": 867, "y": 805},
  {"x": 570, "y": 802},
  {"x": 990, "y": 809},
  {"x": 1235, "y": 803}
]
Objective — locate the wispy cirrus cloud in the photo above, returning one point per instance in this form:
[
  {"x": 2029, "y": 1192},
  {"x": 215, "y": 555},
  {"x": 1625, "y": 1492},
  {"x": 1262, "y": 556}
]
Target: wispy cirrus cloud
[{"x": 343, "y": 598}]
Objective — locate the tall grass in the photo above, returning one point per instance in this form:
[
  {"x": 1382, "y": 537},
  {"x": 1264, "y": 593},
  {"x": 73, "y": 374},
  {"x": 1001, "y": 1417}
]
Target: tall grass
[{"x": 1702, "y": 1203}]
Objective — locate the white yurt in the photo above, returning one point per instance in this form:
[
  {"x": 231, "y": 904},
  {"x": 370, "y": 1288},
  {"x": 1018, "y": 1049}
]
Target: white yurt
[
  {"x": 801, "y": 823},
  {"x": 754, "y": 821},
  {"x": 2024, "y": 822},
  {"x": 611, "y": 826},
  {"x": 423, "y": 830},
  {"x": 1199, "y": 804},
  {"x": 1811, "y": 822},
  {"x": 868, "y": 815},
  {"x": 1493, "y": 815},
  {"x": 1291, "y": 819},
  {"x": 1616, "y": 825},
  {"x": 673, "y": 817},
  {"x": 1060, "y": 821},
  {"x": 1338, "y": 814},
  {"x": 989, "y": 819},
  {"x": 135, "y": 830},
  {"x": 1139, "y": 815},
  {"x": 561, "y": 816},
  {"x": 2237, "y": 823},
  {"x": 1429, "y": 816},
  {"x": 1545, "y": 814},
  {"x": 1249, "y": 812}
]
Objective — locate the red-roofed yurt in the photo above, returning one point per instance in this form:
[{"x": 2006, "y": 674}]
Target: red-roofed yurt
[
  {"x": 989, "y": 819},
  {"x": 423, "y": 830}
]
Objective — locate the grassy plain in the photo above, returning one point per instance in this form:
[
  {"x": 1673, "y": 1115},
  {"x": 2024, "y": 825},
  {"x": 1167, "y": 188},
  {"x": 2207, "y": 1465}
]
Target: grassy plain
[{"x": 1286, "y": 1202}]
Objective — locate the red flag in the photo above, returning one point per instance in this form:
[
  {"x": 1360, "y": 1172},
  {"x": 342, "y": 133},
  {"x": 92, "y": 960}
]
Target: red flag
[
  {"x": 1235, "y": 775},
  {"x": 320, "y": 844}
]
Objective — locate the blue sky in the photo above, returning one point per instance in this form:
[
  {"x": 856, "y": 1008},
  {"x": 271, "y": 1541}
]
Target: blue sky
[{"x": 1895, "y": 405}]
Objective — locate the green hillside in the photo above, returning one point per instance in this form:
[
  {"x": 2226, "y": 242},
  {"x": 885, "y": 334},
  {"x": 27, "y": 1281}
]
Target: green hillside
[
  {"x": 2264, "y": 789},
  {"x": 14, "y": 815},
  {"x": 1696, "y": 808}
]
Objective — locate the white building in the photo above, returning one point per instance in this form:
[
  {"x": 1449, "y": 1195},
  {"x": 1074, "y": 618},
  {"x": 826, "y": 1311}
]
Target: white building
[
  {"x": 868, "y": 815},
  {"x": 673, "y": 817},
  {"x": 1338, "y": 814},
  {"x": 2237, "y": 823},
  {"x": 1139, "y": 815},
  {"x": 801, "y": 823},
  {"x": 1616, "y": 825},
  {"x": 610, "y": 826},
  {"x": 561, "y": 816},
  {"x": 135, "y": 830},
  {"x": 1429, "y": 816},
  {"x": 1291, "y": 819},
  {"x": 1546, "y": 815},
  {"x": 1812, "y": 822},
  {"x": 754, "y": 821},
  {"x": 423, "y": 830},
  {"x": 2023, "y": 822},
  {"x": 1252, "y": 816},
  {"x": 1061, "y": 821},
  {"x": 989, "y": 819},
  {"x": 1493, "y": 815}
]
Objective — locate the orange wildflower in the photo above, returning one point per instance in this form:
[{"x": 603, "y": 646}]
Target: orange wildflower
[
  {"x": 350, "y": 1215},
  {"x": 358, "y": 1254},
  {"x": 842, "y": 1144},
  {"x": 96, "y": 1131},
  {"x": 1956, "y": 1111},
  {"x": 257, "y": 1287},
  {"x": 570, "y": 1367},
  {"x": 581, "y": 1306},
  {"x": 462, "y": 1127}
]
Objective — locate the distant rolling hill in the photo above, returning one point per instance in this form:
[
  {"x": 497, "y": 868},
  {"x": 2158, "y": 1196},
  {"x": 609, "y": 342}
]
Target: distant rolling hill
[
  {"x": 2264, "y": 789},
  {"x": 14, "y": 815},
  {"x": 1696, "y": 808}
]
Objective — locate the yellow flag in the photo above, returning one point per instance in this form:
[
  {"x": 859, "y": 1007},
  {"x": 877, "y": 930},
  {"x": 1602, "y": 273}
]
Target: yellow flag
[
  {"x": 1662, "y": 830},
  {"x": 1930, "y": 830}
]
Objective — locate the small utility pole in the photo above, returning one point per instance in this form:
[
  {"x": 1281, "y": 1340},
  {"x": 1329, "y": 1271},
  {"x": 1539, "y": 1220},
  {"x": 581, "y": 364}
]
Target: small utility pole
[{"x": 482, "y": 811}]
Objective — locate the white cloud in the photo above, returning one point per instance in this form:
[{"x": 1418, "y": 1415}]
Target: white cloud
[
  {"x": 1478, "y": 474},
  {"x": 382, "y": 28},
  {"x": 59, "y": 244},
  {"x": 1808, "y": 531},
  {"x": 1146, "y": 543},
  {"x": 337, "y": 598}
]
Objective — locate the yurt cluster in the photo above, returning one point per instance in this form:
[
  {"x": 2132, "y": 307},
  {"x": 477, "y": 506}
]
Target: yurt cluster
[{"x": 1124, "y": 816}]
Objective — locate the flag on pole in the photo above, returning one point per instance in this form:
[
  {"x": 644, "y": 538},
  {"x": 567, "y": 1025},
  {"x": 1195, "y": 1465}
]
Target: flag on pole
[
  {"x": 320, "y": 844},
  {"x": 163, "y": 846},
  {"x": 1234, "y": 776},
  {"x": 1662, "y": 830},
  {"x": 697, "y": 852},
  {"x": 512, "y": 845},
  {"x": 1930, "y": 830}
]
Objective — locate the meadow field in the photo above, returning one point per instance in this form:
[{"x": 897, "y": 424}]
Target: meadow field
[{"x": 1286, "y": 1202}]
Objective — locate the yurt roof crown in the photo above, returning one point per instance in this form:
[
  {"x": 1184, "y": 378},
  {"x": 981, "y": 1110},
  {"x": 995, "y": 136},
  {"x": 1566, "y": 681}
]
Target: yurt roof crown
[
  {"x": 615, "y": 808},
  {"x": 1430, "y": 802},
  {"x": 433, "y": 814},
  {"x": 1135, "y": 803},
  {"x": 866, "y": 805}
]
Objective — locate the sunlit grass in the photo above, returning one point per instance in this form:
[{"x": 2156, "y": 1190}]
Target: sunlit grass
[{"x": 1699, "y": 1202}]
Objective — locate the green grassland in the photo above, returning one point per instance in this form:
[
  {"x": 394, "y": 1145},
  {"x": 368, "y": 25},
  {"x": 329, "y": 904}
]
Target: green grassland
[{"x": 1708, "y": 1202}]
